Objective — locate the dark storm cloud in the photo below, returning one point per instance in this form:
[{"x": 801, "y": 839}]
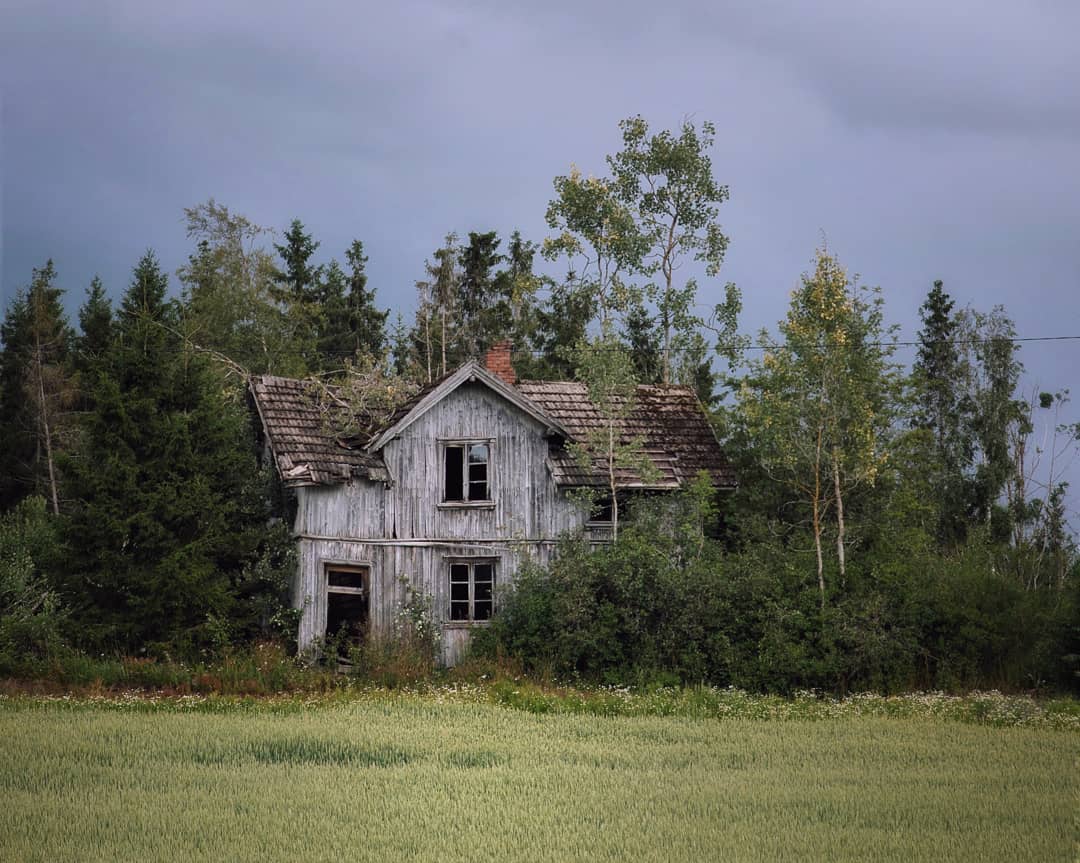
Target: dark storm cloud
[{"x": 923, "y": 139}]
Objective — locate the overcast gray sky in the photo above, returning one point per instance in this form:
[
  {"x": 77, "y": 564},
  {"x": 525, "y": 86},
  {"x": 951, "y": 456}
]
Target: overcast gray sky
[{"x": 924, "y": 138}]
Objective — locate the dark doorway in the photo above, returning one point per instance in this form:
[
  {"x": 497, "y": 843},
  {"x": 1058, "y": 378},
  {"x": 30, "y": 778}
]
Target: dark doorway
[{"x": 346, "y": 606}]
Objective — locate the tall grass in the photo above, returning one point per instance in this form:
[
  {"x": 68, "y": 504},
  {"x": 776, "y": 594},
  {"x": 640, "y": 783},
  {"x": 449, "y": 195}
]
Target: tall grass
[{"x": 419, "y": 777}]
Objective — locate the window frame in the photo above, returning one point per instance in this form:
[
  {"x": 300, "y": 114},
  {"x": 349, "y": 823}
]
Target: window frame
[
  {"x": 465, "y": 444},
  {"x": 471, "y": 563}
]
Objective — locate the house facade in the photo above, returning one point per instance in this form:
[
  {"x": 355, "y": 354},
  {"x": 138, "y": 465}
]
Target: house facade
[{"x": 453, "y": 493}]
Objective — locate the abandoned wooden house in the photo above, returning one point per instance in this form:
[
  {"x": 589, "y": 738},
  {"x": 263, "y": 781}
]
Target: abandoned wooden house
[{"x": 466, "y": 480}]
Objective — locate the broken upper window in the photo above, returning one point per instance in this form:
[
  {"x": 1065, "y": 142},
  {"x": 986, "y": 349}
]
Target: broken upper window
[
  {"x": 465, "y": 472},
  {"x": 601, "y": 510},
  {"x": 472, "y": 590}
]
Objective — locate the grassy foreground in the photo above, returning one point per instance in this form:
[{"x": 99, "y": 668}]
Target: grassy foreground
[{"x": 421, "y": 777}]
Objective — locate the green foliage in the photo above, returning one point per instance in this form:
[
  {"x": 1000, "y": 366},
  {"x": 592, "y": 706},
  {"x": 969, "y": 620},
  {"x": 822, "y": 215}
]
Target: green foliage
[
  {"x": 667, "y": 600},
  {"x": 667, "y": 181},
  {"x": 31, "y": 616},
  {"x": 169, "y": 510},
  {"x": 36, "y": 390},
  {"x": 96, "y": 324},
  {"x": 607, "y": 371},
  {"x": 231, "y": 303},
  {"x": 941, "y": 407},
  {"x": 819, "y": 406},
  {"x": 598, "y": 235},
  {"x": 483, "y": 313},
  {"x": 299, "y": 277},
  {"x": 561, "y": 324},
  {"x": 350, "y": 324}
]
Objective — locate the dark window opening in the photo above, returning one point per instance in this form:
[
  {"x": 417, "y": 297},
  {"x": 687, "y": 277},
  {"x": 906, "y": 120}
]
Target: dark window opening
[
  {"x": 455, "y": 486},
  {"x": 472, "y": 591},
  {"x": 465, "y": 473},
  {"x": 601, "y": 510},
  {"x": 345, "y": 578},
  {"x": 478, "y": 472},
  {"x": 346, "y": 607}
]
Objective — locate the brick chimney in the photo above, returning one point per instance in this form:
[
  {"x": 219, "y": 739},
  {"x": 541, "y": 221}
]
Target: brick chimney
[{"x": 497, "y": 361}]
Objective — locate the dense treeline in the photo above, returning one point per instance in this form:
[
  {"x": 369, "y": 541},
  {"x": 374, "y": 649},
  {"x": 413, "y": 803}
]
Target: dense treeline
[{"x": 894, "y": 527}]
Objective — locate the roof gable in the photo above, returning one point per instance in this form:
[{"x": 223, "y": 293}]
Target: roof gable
[
  {"x": 669, "y": 420},
  {"x": 436, "y": 392}
]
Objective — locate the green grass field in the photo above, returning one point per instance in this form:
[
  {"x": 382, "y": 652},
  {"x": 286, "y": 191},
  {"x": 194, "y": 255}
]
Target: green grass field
[{"x": 420, "y": 778}]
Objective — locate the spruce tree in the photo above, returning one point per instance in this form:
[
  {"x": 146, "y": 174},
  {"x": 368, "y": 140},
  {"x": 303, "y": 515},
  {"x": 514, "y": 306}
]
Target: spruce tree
[
  {"x": 942, "y": 409},
  {"x": 561, "y": 325},
  {"x": 160, "y": 482},
  {"x": 642, "y": 340},
  {"x": 483, "y": 315},
  {"x": 300, "y": 276},
  {"x": 334, "y": 338},
  {"x": 351, "y": 323},
  {"x": 36, "y": 390},
  {"x": 366, "y": 322},
  {"x": 298, "y": 290},
  {"x": 96, "y": 324}
]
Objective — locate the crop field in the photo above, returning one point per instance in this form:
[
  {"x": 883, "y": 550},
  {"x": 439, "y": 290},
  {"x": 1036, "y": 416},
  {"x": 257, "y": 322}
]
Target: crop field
[{"x": 422, "y": 778}]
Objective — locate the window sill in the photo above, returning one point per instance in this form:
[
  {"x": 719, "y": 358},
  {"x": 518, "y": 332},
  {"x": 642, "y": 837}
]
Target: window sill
[
  {"x": 466, "y": 624},
  {"x": 466, "y": 504}
]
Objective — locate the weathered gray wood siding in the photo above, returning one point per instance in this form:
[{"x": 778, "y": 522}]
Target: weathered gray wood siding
[{"x": 409, "y": 535}]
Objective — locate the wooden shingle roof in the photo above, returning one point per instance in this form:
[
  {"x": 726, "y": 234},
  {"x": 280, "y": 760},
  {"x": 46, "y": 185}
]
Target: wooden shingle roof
[
  {"x": 668, "y": 420},
  {"x": 304, "y": 451}
]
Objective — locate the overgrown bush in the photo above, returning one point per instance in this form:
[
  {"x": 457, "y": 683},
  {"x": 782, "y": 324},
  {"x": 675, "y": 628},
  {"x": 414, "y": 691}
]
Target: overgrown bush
[
  {"x": 666, "y": 604},
  {"x": 411, "y": 653}
]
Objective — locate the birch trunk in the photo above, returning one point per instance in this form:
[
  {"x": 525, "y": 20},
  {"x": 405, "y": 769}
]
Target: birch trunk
[
  {"x": 46, "y": 431},
  {"x": 817, "y": 519},
  {"x": 840, "y": 528}
]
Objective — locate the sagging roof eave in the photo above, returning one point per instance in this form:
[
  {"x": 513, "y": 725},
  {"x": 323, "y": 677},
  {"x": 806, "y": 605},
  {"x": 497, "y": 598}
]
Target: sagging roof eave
[
  {"x": 470, "y": 371},
  {"x": 265, "y": 428}
]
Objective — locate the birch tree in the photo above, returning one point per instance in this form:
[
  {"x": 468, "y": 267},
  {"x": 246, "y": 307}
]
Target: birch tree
[
  {"x": 667, "y": 181},
  {"x": 820, "y": 403},
  {"x": 599, "y": 236},
  {"x": 607, "y": 371}
]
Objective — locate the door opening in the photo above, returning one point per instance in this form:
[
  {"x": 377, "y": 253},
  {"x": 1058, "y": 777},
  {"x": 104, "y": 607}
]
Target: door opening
[{"x": 347, "y": 589}]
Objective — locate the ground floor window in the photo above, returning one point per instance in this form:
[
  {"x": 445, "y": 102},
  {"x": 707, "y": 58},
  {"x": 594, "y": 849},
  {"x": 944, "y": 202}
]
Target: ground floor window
[{"x": 472, "y": 590}]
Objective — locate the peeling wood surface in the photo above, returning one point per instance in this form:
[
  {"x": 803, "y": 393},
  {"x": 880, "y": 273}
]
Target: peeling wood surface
[
  {"x": 384, "y": 509},
  {"x": 402, "y": 531}
]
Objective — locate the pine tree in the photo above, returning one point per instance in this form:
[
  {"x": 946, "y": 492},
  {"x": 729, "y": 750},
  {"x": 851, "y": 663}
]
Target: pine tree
[
  {"x": 560, "y": 326},
  {"x": 404, "y": 364},
  {"x": 334, "y": 340}
]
